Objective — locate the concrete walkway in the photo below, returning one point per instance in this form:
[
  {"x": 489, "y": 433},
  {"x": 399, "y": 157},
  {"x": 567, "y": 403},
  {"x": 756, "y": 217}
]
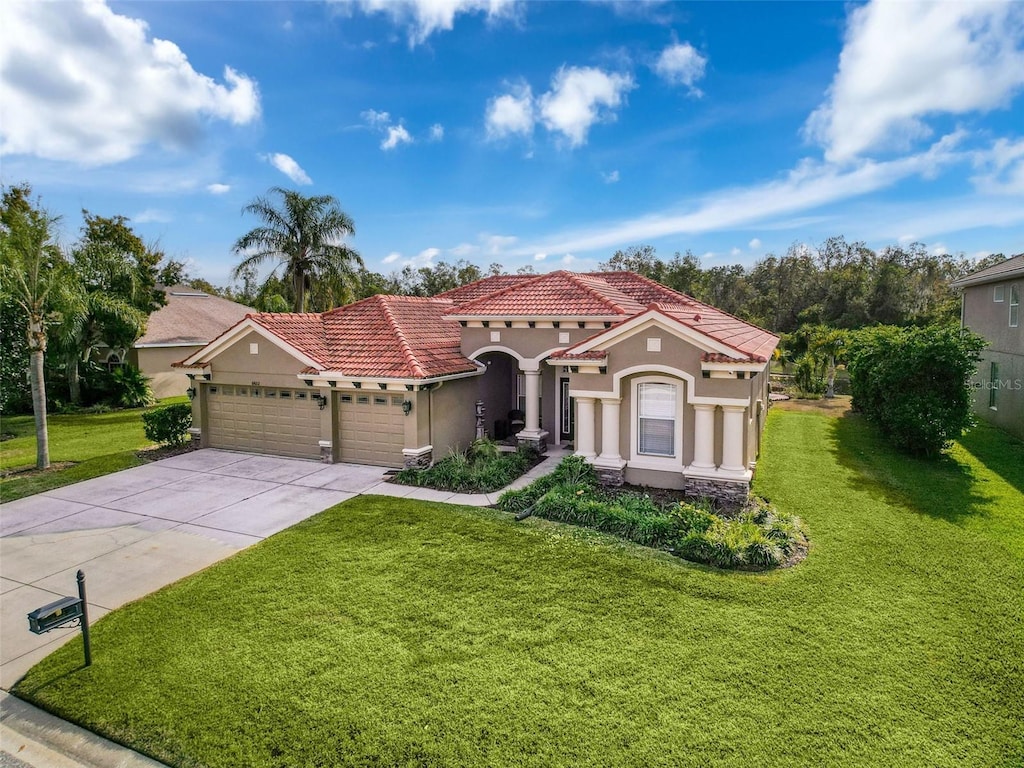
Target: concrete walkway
[{"x": 135, "y": 531}]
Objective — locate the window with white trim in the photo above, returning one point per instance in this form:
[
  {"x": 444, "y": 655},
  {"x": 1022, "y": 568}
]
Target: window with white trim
[
  {"x": 998, "y": 292},
  {"x": 656, "y": 419},
  {"x": 1014, "y": 305},
  {"x": 993, "y": 386}
]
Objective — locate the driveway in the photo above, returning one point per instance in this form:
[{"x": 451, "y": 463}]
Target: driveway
[{"x": 135, "y": 531}]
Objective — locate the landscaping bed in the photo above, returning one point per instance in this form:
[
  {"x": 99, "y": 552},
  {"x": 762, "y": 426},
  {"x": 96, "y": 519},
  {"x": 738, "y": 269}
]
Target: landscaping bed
[
  {"x": 755, "y": 537},
  {"x": 482, "y": 468}
]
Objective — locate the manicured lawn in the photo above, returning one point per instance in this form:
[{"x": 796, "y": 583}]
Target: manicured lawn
[
  {"x": 391, "y": 632},
  {"x": 98, "y": 443}
]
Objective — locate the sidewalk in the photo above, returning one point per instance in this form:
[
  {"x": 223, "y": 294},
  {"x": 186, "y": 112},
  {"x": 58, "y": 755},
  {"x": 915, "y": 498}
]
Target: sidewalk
[{"x": 32, "y": 738}]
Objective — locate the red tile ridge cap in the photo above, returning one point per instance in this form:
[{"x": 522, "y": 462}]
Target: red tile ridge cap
[
  {"x": 403, "y": 342},
  {"x": 578, "y": 279},
  {"x": 502, "y": 291}
]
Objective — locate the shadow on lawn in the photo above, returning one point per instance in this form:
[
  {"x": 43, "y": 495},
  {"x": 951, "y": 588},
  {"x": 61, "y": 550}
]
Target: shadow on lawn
[
  {"x": 941, "y": 487},
  {"x": 1000, "y": 451}
]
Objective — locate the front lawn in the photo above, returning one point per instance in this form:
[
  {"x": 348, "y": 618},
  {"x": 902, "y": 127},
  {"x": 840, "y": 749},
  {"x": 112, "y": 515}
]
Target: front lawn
[
  {"x": 95, "y": 443},
  {"x": 386, "y": 632}
]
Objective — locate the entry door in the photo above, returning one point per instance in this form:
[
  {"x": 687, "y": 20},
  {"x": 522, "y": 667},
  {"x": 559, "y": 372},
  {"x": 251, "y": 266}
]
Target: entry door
[{"x": 568, "y": 410}]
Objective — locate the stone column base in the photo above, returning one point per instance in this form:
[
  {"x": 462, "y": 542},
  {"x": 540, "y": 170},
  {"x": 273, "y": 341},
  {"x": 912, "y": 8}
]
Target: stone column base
[
  {"x": 537, "y": 441},
  {"x": 195, "y": 434},
  {"x": 613, "y": 476},
  {"x": 418, "y": 458},
  {"x": 326, "y": 454},
  {"x": 729, "y": 492}
]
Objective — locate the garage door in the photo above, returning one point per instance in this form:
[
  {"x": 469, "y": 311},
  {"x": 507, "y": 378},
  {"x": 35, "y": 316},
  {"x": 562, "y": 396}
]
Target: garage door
[
  {"x": 283, "y": 422},
  {"x": 371, "y": 429}
]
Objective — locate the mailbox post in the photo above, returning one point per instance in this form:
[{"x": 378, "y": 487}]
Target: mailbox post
[{"x": 61, "y": 613}]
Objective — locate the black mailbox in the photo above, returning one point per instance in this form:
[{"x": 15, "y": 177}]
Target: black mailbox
[{"x": 55, "y": 614}]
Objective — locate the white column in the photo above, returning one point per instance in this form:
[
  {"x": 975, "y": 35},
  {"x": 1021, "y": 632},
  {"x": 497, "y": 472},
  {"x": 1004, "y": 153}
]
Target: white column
[
  {"x": 532, "y": 387},
  {"x": 585, "y": 427},
  {"x": 610, "y": 430},
  {"x": 704, "y": 437},
  {"x": 732, "y": 439}
]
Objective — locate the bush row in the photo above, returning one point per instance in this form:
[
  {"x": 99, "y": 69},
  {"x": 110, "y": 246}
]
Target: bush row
[
  {"x": 757, "y": 538},
  {"x": 480, "y": 469}
]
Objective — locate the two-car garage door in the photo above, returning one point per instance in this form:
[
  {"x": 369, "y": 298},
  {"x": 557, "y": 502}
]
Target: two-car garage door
[
  {"x": 283, "y": 422},
  {"x": 286, "y": 422}
]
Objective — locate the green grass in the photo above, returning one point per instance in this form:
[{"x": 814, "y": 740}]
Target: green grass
[
  {"x": 387, "y": 632},
  {"x": 98, "y": 444}
]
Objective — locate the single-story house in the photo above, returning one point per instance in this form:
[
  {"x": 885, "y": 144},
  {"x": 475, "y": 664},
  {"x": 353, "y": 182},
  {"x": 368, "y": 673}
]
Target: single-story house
[
  {"x": 189, "y": 320},
  {"x": 650, "y": 385},
  {"x": 991, "y": 308}
]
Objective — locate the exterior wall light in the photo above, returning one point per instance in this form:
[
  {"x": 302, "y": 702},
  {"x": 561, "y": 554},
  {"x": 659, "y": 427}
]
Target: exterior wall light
[
  {"x": 321, "y": 400},
  {"x": 191, "y": 392},
  {"x": 407, "y": 407}
]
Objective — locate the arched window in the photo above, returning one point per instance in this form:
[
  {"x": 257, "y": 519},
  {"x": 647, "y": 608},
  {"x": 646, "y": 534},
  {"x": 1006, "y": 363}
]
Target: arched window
[
  {"x": 113, "y": 361},
  {"x": 657, "y": 422}
]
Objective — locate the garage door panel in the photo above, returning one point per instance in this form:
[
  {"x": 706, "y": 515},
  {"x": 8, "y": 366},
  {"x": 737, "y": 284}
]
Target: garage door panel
[
  {"x": 281, "y": 426},
  {"x": 371, "y": 432}
]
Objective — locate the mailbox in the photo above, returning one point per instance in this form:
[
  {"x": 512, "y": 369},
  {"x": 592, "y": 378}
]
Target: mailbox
[{"x": 56, "y": 614}]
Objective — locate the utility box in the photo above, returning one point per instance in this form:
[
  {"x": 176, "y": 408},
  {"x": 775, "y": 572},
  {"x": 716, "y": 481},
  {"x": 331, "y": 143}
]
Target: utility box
[{"x": 54, "y": 615}]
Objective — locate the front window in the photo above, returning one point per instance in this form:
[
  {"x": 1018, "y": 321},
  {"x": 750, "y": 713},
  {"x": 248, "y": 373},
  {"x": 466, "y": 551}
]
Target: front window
[
  {"x": 657, "y": 417},
  {"x": 1014, "y": 305},
  {"x": 993, "y": 386}
]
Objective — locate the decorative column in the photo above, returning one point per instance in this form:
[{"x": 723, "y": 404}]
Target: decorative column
[
  {"x": 609, "y": 464},
  {"x": 732, "y": 439},
  {"x": 585, "y": 427},
  {"x": 532, "y": 435},
  {"x": 704, "y": 437}
]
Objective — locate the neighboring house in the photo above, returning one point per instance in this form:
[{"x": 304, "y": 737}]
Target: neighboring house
[
  {"x": 991, "y": 308},
  {"x": 650, "y": 385},
  {"x": 185, "y": 324}
]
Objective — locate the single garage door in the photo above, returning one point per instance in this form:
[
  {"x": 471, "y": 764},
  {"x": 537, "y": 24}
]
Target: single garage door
[
  {"x": 371, "y": 429},
  {"x": 282, "y": 422}
]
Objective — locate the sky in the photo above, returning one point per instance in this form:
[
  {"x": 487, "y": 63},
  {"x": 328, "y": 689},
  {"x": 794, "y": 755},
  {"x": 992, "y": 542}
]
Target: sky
[{"x": 542, "y": 134}]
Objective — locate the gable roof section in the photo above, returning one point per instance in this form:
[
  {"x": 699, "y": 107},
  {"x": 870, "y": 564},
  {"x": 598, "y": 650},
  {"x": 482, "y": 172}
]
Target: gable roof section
[
  {"x": 732, "y": 340},
  {"x": 1004, "y": 270},
  {"x": 190, "y": 317},
  {"x": 471, "y": 291},
  {"x": 554, "y": 294},
  {"x": 394, "y": 337}
]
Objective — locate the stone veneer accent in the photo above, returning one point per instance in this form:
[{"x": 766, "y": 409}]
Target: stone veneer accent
[
  {"x": 730, "y": 492},
  {"x": 420, "y": 460},
  {"x": 326, "y": 452},
  {"x": 610, "y": 476},
  {"x": 539, "y": 444}
]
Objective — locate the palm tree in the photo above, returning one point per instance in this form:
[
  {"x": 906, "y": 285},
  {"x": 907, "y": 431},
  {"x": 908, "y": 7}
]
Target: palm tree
[
  {"x": 34, "y": 274},
  {"x": 305, "y": 235}
]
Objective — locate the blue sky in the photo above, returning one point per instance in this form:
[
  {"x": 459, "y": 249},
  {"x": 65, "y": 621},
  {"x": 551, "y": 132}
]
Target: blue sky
[{"x": 525, "y": 133}]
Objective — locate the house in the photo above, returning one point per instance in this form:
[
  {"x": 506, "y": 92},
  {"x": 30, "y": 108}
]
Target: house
[
  {"x": 650, "y": 385},
  {"x": 185, "y": 324},
  {"x": 990, "y": 306}
]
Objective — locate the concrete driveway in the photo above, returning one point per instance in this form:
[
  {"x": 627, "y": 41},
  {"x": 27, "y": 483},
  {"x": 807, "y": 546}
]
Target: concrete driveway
[{"x": 135, "y": 531}]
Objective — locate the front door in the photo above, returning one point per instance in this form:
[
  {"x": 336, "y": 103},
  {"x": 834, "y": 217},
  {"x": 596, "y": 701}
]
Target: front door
[{"x": 568, "y": 404}]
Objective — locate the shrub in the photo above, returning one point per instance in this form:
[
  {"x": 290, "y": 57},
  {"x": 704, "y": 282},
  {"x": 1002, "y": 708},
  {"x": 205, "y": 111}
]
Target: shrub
[
  {"x": 691, "y": 517},
  {"x": 129, "y": 388},
  {"x": 168, "y": 425},
  {"x": 914, "y": 383},
  {"x": 808, "y": 376},
  {"x": 483, "y": 449},
  {"x": 478, "y": 470}
]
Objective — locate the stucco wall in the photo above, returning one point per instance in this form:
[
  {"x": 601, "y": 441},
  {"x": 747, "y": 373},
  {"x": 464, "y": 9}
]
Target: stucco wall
[
  {"x": 453, "y": 415},
  {"x": 527, "y": 342},
  {"x": 991, "y": 319},
  {"x": 1009, "y": 411},
  {"x": 271, "y": 366},
  {"x": 155, "y": 364}
]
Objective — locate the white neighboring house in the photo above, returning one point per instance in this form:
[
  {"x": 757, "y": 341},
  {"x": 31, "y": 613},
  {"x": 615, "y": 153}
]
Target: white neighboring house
[{"x": 190, "y": 320}]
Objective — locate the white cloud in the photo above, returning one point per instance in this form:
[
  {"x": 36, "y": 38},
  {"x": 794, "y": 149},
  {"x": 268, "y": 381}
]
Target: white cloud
[
  {"x": 391, "y": 258},
  {"x": 754, "y": 244},
  {"x": 939, "y": 249},
  {"x": 539, "y": 256},
  {"x": 463, "y": 249},
  {"x": 511, "y": 113},
  {"x": 580, "y": 97},
  {"x": 218, "y": 189},
  {"x": 610, "y": 178},
  {"x": 568, "y": 259},
  {"x": 82, "y": 83},
  {"x": 151, "y": 216},
  {"x": 1001, "y": 170},
  {"x": 396, "y": 135},
  {"x": 287, "y": 165},
  {"x": 422, "y": 18},
  {"x": 809, "y": 186},
  {"x": 494, "y": 245},
  {"x": 681, "y": 64},
  {"x": 905, "y": 61},
  {"x": 373, "y": 117},
  {"x": 436, "y": 132},
  {"x": 736, "y": 252}
]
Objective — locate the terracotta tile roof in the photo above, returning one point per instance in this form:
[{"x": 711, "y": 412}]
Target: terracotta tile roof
[
  {"x": 403, "y": 337},
  {"x": 190, "y": 317},
  {"x": 643, "y": 289},
  {"x": 555, "y": 294},
  {"x": 590, "y": 354},
  {"x": 472, "y": 291}
]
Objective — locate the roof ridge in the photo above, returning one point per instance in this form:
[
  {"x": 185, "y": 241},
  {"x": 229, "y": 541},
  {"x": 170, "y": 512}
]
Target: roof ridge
[
  {"x": 576, "y": 277},
  {"x": 406, "y": 347},
  {"x": 508, "y": 288}
]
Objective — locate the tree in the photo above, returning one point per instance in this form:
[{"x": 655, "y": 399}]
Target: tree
[
  {"x": 35, "y": 275},
  {"x": 827, "y": 344},
  {"x": 304, "y": 235},
  {"x": 914, "y": 383}
]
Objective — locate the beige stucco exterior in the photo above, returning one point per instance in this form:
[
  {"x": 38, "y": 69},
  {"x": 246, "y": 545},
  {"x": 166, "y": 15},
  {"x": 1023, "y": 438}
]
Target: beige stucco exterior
[{"x": 155, "y": 364}]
